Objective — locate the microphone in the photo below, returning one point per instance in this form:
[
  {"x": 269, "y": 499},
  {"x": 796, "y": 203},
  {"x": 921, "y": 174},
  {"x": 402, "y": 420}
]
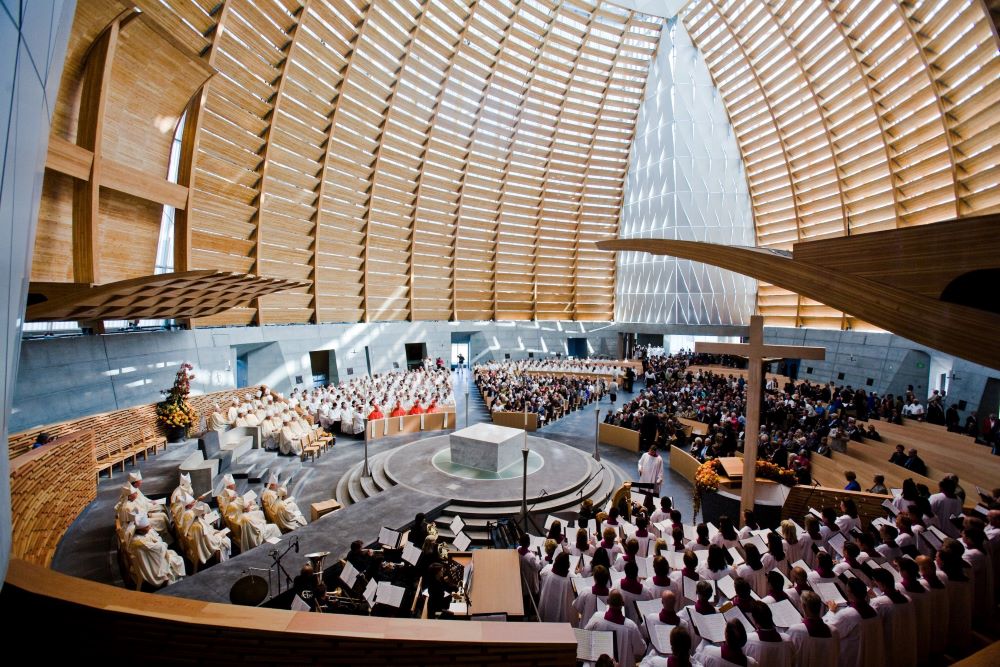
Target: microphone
[{"x": 296, "y": 545}]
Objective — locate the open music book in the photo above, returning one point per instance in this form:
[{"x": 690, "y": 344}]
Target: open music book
[
  {"x": 388, "y": 537},
  {"x": 784, "y": 614},
  {"x": 389, "y": 595},
  {"x": 710, "y": 627},
  {"x": 659, "y": 637},
  {"x": 592, "y": 644}
]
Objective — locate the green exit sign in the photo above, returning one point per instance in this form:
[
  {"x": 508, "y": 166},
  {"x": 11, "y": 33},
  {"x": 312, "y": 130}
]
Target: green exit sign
[{"x": 921, "y": 364}]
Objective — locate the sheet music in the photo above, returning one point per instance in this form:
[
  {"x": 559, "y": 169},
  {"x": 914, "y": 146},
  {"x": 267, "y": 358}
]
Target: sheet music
[
  {"x": 712, "y": 530},
  {"x": 879, "y": 522},
  {"x": 223, "y": 532},
  {"x": 388, "y": 537},
  {"x": 574, "y": 561},
  {"x": 893, "y": 571},
  {"x": 349, "y": 575},
  {"x": 734, "y": 613},
  {"x": 690, "y": 534},
  {"x": 457, "y": 525},
  {"x": 581, "y": 584},
  {"x": 784, "y": 613},
  {"x": 616, "y": 577},
  {"x": 836, "y": 542},
  {"x": 592, "y": 644},
  {"x": 602, "y": 606},
  {"x": 801, "y": 563},
  {"x": 646, "y": 607},
  {"x": 829, "y": 592},
  {"x": 675, "y": 559},
  {"x": 212, "y": 516},
  {"x": 690, "y": 588},
  {"x": 549, "y": 520},
  {"x": 710, "y": 627},
  {"x": 537, "y": 542},
  {"x": 389, "y": 595},
  {"x": 627, "y": 529},
  {"x": 737, "y": 558},
  {"x": 459, "y": 609},
  {"x": 932, "y": 539},
  {"x": 461, "y": 542},
  {"x": 727, "y": 586},
  {"x": 757, "y": 541},
  {"x": 702, "y": 556},
  {"x": 249, "y": 497},
  {"x": 645, "y": 566},
  {"x": 659, "y": 636},
  {"x": 370, "y": 592},
  {"x": 289, "y": 499},
  {"x": 665, "y": 528},
  {"x": 273, "y": 540},
  {"x": 637, "y": 498},
  {"x": 896, "y": 493},
  {"x": 411, "y": 554},
  {"x": 160, "y": 501},
  {"x": 887, "y": 504},
  {"x": 819, "y": 515}
]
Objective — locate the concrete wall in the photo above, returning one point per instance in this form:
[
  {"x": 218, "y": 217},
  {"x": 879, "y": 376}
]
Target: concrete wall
[{"x": 33, "y": 37}]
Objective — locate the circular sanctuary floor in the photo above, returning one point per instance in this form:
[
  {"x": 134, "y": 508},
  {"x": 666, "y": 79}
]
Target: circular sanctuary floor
[{"x": 554, "y": 469}]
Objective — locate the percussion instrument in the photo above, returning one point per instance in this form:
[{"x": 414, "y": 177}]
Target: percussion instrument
[{"x": 249, "y": 591}]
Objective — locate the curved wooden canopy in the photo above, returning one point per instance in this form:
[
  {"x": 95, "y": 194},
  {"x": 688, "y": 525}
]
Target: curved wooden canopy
[
  {"x": 167, "y": 296},
  {"x": 854, "y": 117},
  {"x": 966, "y": 332}
]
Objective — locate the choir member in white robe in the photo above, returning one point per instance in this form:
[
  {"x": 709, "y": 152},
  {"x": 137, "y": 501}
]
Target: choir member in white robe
[
  {"x": 667, "y": 615},
  {"x": 284, "y": 511},
  {"x": 974, "y": 541},
  {"x": 628, "y": 639},
  {"x": 586, "y": 600},
  {"x": 766, "y": 645},
  {"x": 934, "y": 582},
  {"x": 555, "y": 604},
  {"x": 899, "y": 621},
  {"x": 794, "y": 547},
  {"x": 944, "y": 505},
  {"x": 752, "y": 570},
  {"x": 816, "y": 644},
  {"x": 216, "y": 420},
  {"x": 632, "y": 591},
  {"x": 651, "y": 469},
  {"x": 288, "y": 441},
  {"x": 530, "y": 567},
  {"x": 959, "y": 588},
  {"x": 922, "y": 603},
  {"x": 660, "y": 579},
  {"x": 201, "y": 539},
  {"x": 862, "y": 638},
  {"x": 155, "y": 563},
  {"x": 731, "y": 653}
]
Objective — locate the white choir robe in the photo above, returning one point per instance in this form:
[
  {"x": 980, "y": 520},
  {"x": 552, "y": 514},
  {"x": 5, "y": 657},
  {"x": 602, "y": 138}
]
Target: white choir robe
[
  {"x": 627, "y": 638},
  {"x": 650, "y": 621},
  {"x": 862, "y": 641},
  {"x": 651, "y": 471},
  {"x": 232, "y": 415},
  {"x": 771, "y": 654},
  {"x": 252, "y": 420},
  {"x": 656, "y": 591},
  {"x": 217, "y": 422},
  {"x": 939, "y": 603},
  {"x": 982, "y": 585},
  {"x": 530, "y": 567},
  {"x": 959, "y": 614},
  {"x": 899, "y": 623},
  {"x": 926, "y": 618},
  {"x": 555, "y": 604},
  {"x": 814, "y": 651},
  {"x": 711, "y": 656},
  {"x": 794, "y": 552},
  {"x": 156, "y": 563},
  {"x": 630, "y": 600},
  {"x": 771, "y": 563},
  {"x": 586, "y": 605},
  {"x": 287, "y": 515},
  {"x": 943, "y": 508},
  {"x": 255, "y": 530},
  {"x": 202, "y": 540},
  {"x": 289, "y": 443},
  {"x": 756, "y": 578}
]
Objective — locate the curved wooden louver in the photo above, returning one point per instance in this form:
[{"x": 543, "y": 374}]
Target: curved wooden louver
[
  {"x": 854, "y": 117},
  {"x": 411, "y": 159}
]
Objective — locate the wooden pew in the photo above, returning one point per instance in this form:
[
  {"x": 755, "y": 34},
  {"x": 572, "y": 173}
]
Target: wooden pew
[
  {"x": 527, "y": 421},
  {"x": 683, "y": 463},
  {"x": 801, "y": 498},
  {"x": 616, "y": 436},
  {"x": 435, "y": 421},
  {"x": 693, "y": 426}
]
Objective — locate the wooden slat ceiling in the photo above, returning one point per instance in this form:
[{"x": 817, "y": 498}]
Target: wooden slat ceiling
[
  {"x": 411, "y": 159},
  {"x": 854, "y": 117}
]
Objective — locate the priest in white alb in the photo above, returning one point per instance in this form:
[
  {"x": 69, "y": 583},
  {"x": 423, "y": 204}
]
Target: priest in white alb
[
  {"x": 216, "y": 420},
  {"x": 651, "y": 470},
  {"x": 288, "y": 441},
  {"x": 283, "y": 511},
  {"x": 153, "y": 560},
  {"x": 133, "y": 503}
]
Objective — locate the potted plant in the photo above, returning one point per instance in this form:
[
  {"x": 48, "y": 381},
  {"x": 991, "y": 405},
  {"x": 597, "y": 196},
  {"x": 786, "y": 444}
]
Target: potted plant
[{"x": 175, "y": 414}]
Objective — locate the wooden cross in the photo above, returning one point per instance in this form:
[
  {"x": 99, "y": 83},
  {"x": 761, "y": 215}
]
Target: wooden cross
[{"x": 757, "y": 353}]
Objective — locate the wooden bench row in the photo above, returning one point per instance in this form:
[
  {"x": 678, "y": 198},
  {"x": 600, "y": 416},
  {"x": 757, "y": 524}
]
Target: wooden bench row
[
  {"x": 434, "y": 421},
  {"x": 49, "y": 487},
  {"x": 525, "y": 420}
]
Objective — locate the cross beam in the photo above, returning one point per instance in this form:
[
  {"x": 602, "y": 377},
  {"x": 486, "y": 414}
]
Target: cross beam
[{"x": 756, "y": 351}]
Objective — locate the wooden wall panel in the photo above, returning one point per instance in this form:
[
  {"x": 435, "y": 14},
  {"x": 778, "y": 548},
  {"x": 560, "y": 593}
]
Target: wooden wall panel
[{"x": 854, "y": 118}]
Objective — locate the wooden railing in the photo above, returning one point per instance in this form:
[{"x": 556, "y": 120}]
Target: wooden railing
[
  {"x": 801, "y": 498},
  {"x": 49, "y": 487},
  {"x": 525, "y": 420},
  {"x": 122, "y": 426},
  {"x": 683, "y": 463},
  {"x": 434, "y": 421},
  {"x": 618, "y": 436},
  {"x": 99, "y": 620}
]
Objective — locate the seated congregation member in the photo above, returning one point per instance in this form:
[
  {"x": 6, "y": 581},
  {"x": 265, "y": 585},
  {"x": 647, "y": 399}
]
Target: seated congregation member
[
  {"x": 628, "y": 639},
  {"x": 899, "y": 620},
  {"x": 766, "y": 645},
  {"x": 280, "y": 509},
  {"x": 862, "y": 637},
  {"x": 731, "y": 652},
  {"x": 154, "y": 562},
  {"x": 555, "y": 605},
  {"x": 586, "y": 600},
  {"x": 201, "y": 539},
  {"x": 816, "y": 644}
]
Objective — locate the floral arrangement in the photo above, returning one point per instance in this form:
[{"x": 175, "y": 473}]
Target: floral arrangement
[
  {"x": 175, "y": 411},
  {"x": 707, "y": 477}
]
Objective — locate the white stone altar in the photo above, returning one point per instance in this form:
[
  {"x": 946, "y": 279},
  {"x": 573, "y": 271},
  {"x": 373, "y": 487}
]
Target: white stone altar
[{"x": 486, "y": 446}]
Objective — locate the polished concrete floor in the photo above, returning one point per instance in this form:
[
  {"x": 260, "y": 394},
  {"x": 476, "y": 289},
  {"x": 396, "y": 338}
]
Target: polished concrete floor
[{"x": 88, "y": 549}]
